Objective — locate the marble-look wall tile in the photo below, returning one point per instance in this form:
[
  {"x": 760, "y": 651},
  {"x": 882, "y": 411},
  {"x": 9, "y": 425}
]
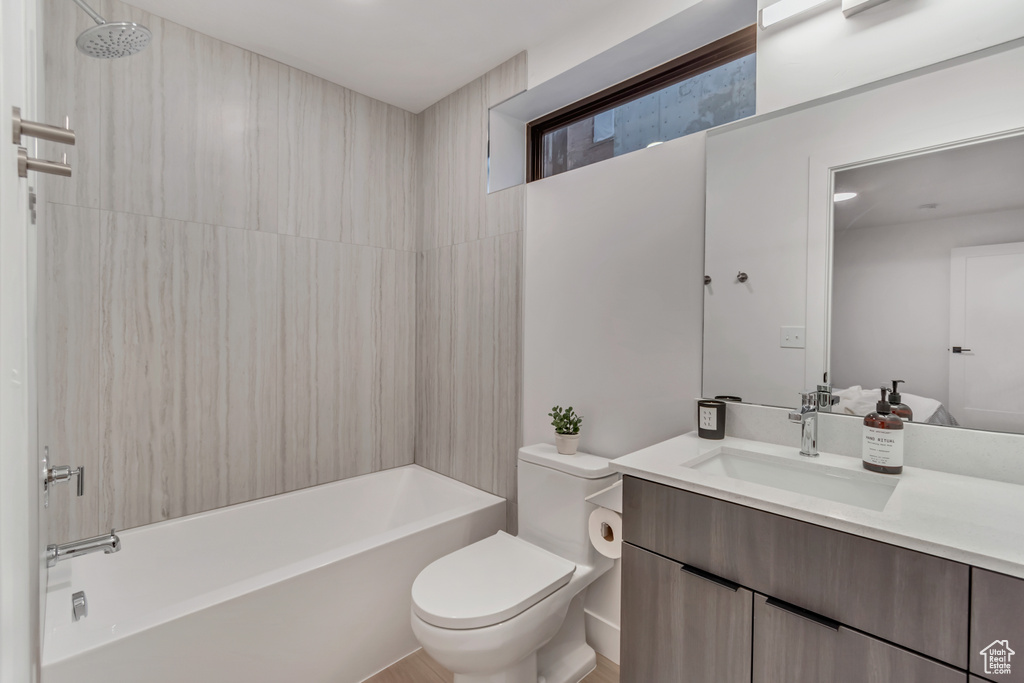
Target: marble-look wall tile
[
  {"x": 512, "y": 518},
  {"x": 347, "y": 165},
  {"x": 397, "y": 367},
  {"x": 469, "y": 363},
  {"x": 69, "y": 375},
  {"x": 453, "y": 163},
  {"x": 347, "y": 326},
  {"x": 188, "y": 388},
  {"x": 435, "y": 349},
  {"x": 72, "y": 90},
  {"x": 468, "y": 169},
  {"x": 221, "y": 362},
  {"x": 506, "y": 80},
  {"x": 435, "y": 162},
  {"x": 468, "y": 294},
  {"x": 189, "y": 129}
]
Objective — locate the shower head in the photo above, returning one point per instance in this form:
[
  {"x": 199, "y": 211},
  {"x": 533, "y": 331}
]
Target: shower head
[
  {"x": 110, "y": 41},
  {"x": 113, "y": 40}
]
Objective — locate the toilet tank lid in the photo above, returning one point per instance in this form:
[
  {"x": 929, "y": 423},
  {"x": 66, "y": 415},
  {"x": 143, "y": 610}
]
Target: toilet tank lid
[{"x": 581, "y": 465}]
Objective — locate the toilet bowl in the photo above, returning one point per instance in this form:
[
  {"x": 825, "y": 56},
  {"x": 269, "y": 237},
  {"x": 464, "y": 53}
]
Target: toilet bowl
[{"x": 509, "y": 609}]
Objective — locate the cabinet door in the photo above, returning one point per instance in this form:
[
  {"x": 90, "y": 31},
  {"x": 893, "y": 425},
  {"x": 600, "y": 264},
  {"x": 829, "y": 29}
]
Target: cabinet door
[
  {"x": 997, "y": 626},
  {"x": 679, "y": 626},
  {"x": 792, "y": 649},
  {"x": 912, "y": 599},
  {"x": 795, "y": 646}
]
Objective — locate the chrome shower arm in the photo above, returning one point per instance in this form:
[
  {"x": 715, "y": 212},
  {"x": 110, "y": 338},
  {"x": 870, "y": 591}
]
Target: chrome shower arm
[{"x": 91, "y": 12}]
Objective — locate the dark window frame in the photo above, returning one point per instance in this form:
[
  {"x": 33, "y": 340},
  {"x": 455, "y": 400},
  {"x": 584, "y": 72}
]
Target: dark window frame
[{"x": 723, "y": 51}]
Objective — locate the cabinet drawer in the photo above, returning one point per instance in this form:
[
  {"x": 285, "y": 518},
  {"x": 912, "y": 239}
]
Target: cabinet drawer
[
  {"x": 909, "y": 598},
  {"x": 997, "y": 615},
  {"x": 678, "y": 626},
  {"x": 794, "y": 648}
]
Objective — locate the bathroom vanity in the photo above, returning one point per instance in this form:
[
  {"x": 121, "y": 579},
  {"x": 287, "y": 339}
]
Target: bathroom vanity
[
  {"x": 728, "y": 578},
  {"x": 744, "y": 561}
]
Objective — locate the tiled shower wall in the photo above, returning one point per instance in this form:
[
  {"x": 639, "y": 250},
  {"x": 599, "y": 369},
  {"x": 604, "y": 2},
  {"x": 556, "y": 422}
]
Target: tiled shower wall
[
  {"x": 468, "y": 350},
  {"x": 228, "y": 282}
]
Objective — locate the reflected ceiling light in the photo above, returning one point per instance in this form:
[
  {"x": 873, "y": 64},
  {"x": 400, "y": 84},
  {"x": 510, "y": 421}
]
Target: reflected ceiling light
[
  {"x": 843, "y": 196},
  {"x": 655, "y": 143},
  {"x": 784, "y": 9}
]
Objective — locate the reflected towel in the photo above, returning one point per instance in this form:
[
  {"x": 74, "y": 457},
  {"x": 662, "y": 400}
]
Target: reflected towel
[{"x": 858, "y": 401}]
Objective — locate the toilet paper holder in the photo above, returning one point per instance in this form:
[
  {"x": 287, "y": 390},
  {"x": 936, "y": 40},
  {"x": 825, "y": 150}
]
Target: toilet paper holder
[{"x": 610, "y": 497}]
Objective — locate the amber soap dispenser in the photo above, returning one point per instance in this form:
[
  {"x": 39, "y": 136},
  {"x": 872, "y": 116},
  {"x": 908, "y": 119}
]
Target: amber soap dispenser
[
  {"x": 882, "y": 449},
  {"x": 898, "y": 407}
]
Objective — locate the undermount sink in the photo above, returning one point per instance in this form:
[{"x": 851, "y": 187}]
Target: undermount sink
[{"x": 863, "y": 489}]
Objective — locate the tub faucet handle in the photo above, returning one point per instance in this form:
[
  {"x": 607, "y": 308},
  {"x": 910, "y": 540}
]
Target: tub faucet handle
[{"x": 62, "y": 473}]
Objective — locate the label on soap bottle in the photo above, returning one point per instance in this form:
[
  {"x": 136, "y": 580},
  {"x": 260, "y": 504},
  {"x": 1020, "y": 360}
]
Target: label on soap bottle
[{"x": 883, "y": 447}]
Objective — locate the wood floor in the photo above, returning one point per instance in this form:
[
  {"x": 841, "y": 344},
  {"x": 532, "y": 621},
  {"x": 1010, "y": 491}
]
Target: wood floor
[{"x": 420, "y": 668}]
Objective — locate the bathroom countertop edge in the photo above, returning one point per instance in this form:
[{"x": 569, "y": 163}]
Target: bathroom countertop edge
[{"x": 955, "y": 517}]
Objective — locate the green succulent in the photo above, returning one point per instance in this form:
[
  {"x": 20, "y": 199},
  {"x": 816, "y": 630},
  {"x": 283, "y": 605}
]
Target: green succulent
[{"x": 565, "y": 421}]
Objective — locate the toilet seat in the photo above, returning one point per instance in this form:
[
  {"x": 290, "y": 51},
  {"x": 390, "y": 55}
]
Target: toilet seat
[{"x": 487, "y": 582}]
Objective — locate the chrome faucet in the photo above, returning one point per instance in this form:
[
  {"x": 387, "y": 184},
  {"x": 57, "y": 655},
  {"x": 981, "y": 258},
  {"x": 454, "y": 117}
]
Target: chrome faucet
[
  {"x": 811, "y": 404},
  {"x": 807, "y": 417},
  {"x": 825, "y": 398},
  {"x": 108, "y": 543}
]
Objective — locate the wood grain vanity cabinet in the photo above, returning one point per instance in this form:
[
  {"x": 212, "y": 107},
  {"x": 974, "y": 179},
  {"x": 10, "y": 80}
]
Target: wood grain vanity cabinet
[
  {"x": 827, "y": 606},
  {"x": 997, "y": 615},
  {"x": 678, "y": 625},
  {"x": 793, "y": 646}
]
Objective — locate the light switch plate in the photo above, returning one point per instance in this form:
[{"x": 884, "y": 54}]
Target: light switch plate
[{"x": 791, "y": 337}]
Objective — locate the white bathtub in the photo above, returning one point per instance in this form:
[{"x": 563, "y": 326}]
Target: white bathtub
[{"x": 306, "y": 587}]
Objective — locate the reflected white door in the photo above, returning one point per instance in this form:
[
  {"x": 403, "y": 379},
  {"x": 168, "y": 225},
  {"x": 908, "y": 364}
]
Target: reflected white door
[{"x": 986, "y": 375}]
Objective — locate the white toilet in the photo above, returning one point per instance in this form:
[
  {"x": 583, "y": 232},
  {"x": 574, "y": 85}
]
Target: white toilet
[{"x": 509, "y": 609}]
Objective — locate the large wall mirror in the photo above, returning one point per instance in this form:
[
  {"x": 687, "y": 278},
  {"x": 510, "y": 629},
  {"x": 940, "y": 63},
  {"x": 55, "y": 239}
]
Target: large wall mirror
[
  {"x": 919, "y": 277},
  {"x": 927, "y": 284}
]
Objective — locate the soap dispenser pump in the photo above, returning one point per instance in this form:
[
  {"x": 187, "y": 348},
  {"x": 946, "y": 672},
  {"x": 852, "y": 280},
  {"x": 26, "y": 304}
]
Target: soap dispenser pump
[
  {"x": 882, "y": 448},
  {"x": 898, "y": 407}
]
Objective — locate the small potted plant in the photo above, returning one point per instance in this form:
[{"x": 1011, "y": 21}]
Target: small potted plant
[{"x": 567, "y": 429}]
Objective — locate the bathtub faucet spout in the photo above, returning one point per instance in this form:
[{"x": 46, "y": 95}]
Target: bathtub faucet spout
[{"x": 108, "y": 543}]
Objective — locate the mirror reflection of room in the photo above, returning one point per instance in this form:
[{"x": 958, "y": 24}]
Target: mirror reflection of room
[{"x": 928, "y": 285}]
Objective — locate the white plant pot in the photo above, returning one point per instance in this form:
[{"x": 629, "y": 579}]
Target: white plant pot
[{"x": 566, "y": 443}]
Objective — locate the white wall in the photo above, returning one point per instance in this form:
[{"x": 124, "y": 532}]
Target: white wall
[
  {"x": 768, "y": 199},
  {"x": 596, "y": 33},
  {"x": 613, "y": 266},
  {"x": 909, "y": 339},
  {"x": 821, "y": 52},
  {"x": 622, "y": 240},
  {"x": 613, "y": 269}
]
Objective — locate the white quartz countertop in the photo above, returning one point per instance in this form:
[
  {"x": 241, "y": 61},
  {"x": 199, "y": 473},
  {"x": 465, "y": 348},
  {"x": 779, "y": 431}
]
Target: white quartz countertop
[{"x": 974, "y": 521}]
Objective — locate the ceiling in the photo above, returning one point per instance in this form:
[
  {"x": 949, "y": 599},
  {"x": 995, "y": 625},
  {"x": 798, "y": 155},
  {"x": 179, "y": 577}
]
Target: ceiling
[
  {"x": 976, "y": 178},
  {"x": 409, "y": 53}
]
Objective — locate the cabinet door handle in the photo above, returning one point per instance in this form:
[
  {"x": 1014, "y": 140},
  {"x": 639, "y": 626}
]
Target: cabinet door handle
[
  {"x": 803, "y": 613},
  {"x": 707, "y": 576}
]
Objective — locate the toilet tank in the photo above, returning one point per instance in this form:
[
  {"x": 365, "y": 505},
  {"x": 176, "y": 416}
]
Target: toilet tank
[{"x": 553, "y": 511}]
